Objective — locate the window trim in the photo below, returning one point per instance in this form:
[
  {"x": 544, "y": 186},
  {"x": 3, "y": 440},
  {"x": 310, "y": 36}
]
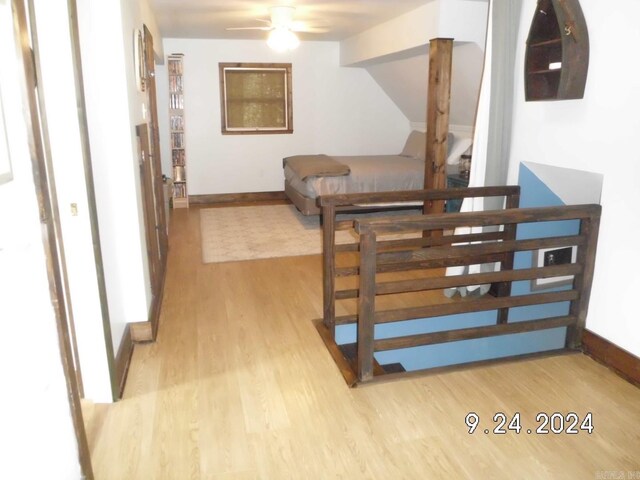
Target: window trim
[{"x": 286, "y": 69}]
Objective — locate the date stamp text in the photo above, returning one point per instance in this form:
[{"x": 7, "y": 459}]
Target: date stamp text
[{"x": 545, "y": 423}]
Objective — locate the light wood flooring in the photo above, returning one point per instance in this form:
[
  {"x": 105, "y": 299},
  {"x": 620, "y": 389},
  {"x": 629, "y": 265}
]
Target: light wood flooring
[{"x": 240, "y": 386}]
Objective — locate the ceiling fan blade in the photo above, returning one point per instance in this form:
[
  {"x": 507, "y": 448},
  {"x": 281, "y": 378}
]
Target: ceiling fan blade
[
  {"x": 310, "y": 29},
  {"x": 303, "y": 27},
  {"x": 266, "y": 29}
]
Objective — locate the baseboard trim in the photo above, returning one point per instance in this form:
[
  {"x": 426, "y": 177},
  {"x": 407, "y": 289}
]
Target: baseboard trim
[
  {"x": 123, "y": 360},
  {"x": 230, "y": 198},
  {"x": 156, "y": 307},
  {"x": 617, "y": 359}
]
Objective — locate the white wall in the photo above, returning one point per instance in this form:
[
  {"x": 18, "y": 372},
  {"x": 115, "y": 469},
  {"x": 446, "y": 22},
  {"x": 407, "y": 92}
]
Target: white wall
[
  {"x": 337, "y": 110},
  {"x": 599, "y": 134},
  {"x": 57, "y": 84},
  {"x": 114, "y": 107},
  {"x": 405, "y": 81},
  {"x": 36, "y": 433}
]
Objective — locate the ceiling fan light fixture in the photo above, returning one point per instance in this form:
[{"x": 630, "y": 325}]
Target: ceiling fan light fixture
[{"x": 282, "y": 39}]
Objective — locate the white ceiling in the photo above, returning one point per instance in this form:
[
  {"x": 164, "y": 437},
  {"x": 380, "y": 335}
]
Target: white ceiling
[{"x": 209, "y": 18}]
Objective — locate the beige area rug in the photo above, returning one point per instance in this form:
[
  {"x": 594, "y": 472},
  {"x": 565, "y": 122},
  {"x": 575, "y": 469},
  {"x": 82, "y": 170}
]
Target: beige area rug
[{"x": 247, "y": 233}]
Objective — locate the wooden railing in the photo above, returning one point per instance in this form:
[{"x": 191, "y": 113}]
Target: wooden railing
[
  {"x": 376, "y": 259},
  {"x": 331, "y": 204}
]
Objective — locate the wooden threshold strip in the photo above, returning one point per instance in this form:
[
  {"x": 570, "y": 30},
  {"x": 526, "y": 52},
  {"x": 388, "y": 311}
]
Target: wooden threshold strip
[{"x": 472, "y": 333}]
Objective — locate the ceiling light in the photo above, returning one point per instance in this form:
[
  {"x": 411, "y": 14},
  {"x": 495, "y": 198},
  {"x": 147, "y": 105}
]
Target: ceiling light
[{"x": 282, "y": 39}]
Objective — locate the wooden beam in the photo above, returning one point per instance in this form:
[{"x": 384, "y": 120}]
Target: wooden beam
[
  {"x": 481, "y": 304},
  {"x": 438, "y": 102},
  {"x": 485, "y": 331}
]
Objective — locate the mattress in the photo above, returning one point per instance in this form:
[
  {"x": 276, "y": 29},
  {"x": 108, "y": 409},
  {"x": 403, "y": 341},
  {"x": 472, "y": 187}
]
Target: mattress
[{"x": 372, "y": 173}]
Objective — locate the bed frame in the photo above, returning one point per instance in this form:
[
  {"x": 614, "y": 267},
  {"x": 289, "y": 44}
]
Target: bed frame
[
  {"x": 306, "y": 205},
  {"x": 310, "y": 206}
]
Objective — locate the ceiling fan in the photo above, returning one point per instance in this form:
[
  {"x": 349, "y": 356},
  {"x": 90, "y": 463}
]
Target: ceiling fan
[{"x": 282, "y": 28}]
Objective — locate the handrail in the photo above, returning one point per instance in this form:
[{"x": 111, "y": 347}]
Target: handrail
[
  {"x": 413, "y": 223},
  {"x": 370, "y": 263},
  {"x": 330, "y": 204}
]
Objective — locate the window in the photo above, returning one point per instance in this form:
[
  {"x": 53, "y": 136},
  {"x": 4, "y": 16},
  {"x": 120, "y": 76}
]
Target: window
[{"x": 256, "y": 98}]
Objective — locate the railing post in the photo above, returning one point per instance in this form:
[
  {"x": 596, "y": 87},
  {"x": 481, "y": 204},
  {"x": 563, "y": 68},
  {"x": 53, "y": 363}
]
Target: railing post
[
  {"x": 366, "y": 305},
  {"x": 510, "y": 230},
  {"x": 582, "y": 283},
  {"x": 329, "y": 267}
]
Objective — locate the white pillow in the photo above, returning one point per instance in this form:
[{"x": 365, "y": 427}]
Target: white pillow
[{"x": 415, "y": 146}]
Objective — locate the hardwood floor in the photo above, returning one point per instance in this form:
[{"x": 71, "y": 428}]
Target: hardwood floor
[{"x": 240, "y": 386}]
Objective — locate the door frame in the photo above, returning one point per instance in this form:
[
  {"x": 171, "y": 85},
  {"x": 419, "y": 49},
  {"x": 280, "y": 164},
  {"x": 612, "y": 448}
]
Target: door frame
[{"x": 46, "y": 205}]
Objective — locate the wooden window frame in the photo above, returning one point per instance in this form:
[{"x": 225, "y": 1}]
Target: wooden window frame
[{"x": 286, "y": 71}]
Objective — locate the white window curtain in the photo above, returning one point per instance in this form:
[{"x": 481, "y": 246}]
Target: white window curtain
[{"x": 492, "y": 132}]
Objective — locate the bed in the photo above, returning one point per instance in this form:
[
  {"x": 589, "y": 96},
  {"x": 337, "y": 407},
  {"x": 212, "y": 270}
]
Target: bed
[{"x": 309, "y": 176}]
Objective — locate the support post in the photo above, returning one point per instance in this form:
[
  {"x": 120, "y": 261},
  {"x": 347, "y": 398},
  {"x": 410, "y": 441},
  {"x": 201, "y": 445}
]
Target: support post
[
  {"x": 366, "y": 305},
  {"x": 438, "y": 103},
  {"x": 329, "y": 267},
  {"x": 510, "y": 231},
  {"x": 586, "y": 256}
]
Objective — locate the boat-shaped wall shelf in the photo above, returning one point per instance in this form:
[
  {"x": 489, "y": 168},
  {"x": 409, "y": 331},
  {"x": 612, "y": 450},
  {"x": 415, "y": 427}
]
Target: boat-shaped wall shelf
[{"x": 557, "y": 56}]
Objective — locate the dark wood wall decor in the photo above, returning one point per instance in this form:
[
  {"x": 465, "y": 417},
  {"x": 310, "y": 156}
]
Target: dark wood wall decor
[{"x": 557, "y": 55}]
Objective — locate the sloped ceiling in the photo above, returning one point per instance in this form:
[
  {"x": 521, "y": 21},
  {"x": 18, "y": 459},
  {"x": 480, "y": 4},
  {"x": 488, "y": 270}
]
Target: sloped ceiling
[{"x": 405, "y": 81}]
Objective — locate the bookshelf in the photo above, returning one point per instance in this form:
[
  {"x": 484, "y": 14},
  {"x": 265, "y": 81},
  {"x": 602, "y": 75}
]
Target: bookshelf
[{"x": 179, "y": 196}]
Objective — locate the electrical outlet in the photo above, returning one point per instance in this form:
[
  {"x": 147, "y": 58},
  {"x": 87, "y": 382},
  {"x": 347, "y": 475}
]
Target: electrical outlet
[{"x": 559, "y": 256}]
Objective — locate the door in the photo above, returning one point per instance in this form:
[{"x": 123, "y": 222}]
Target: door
[
  {"x": 32, "y": 219},
  {"x": 153, "y": 229},
  {"x": 156, "y": 164}
]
